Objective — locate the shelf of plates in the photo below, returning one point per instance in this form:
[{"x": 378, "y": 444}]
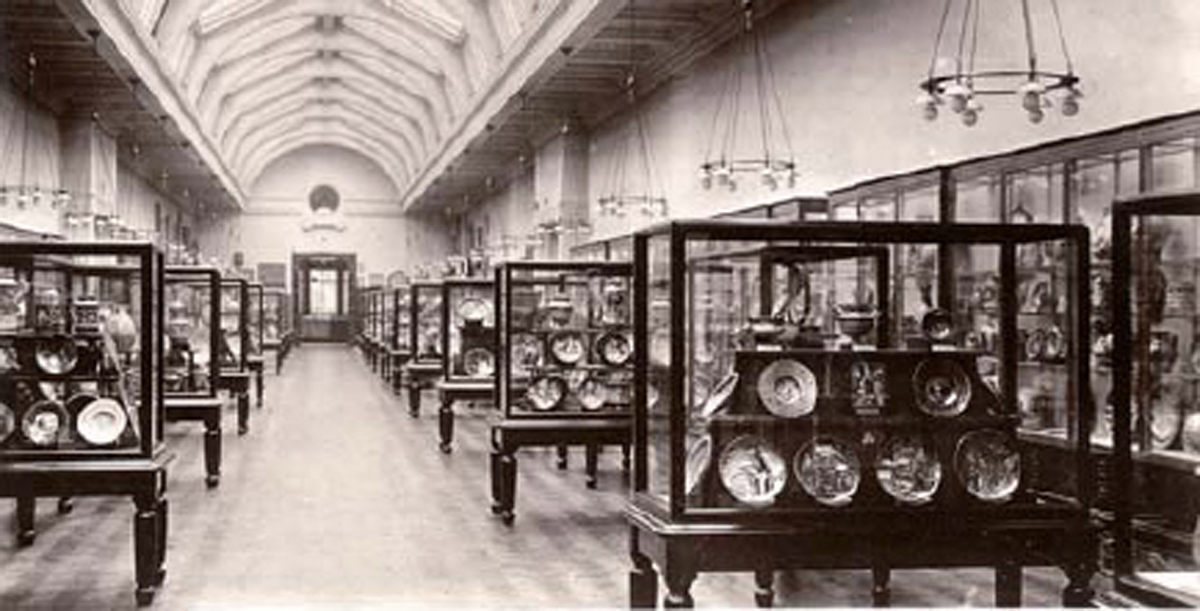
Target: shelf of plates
[
  {"x": 426, "y": 312},
  {"x": 468, "y": 329},
  {"x": 235, "y": 324},
  {"x": 568, "y": 337},
  {"x": 80, "y": 351},
  {"x": 193, "y": 330},
  {"x": 817, "y": 373}
]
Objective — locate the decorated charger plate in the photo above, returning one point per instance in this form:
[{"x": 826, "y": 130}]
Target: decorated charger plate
[
  {"x": 473, "y": 309},
  {"x": 614, "y": 349},
  {"x": 937, "y": 325},
  {"x": 908, "y": 469},
  {"x": 1166, "y": 416},
  {"x": 567, "y": 347},
  {"x": 479, "y": 363},
  {"x": 56, "y": 355},
  {"x": 787, "y": 389},
  {"x": 829, "y": 471},
  {"x": 752, "y": 471},
  {"x": 942, "y": 387},
  {"x": 718, "y": 399},
  {"x": 44, "y": 422},
  {"x": 591, "y": 394},
  {"x": 546, "y": 393},
  {"x": 988, "y": 465},
  {"x": 699, "y": 456},
  {"x": 101, "y": 422},
  {"x": 8, "y": 422}
]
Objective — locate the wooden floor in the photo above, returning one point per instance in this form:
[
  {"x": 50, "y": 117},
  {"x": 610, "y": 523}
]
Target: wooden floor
[{"x": 338, "y": 497}]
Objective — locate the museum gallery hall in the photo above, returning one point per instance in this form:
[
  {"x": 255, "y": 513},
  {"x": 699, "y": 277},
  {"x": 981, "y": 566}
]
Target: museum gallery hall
[{"x": 609, "y": 304}]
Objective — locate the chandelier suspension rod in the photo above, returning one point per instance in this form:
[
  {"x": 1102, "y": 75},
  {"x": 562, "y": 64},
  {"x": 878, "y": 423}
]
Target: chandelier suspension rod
[
  {"x": 937, "y": 42},
  {"x": 783, "y": 125},
  {"x": 756, "y": 41},
  {"x": 962, "y": 37},
  {"x": 1062, "y": 37},
  {"x": 1029, "y": 37},
  {"x": 25, "y": 121}
]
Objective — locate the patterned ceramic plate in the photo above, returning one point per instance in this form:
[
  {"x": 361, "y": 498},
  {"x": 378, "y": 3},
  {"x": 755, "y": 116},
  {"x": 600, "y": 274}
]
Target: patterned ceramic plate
[
  {"x": 546, "y": 393},
  {"x": 941, "y": 387},
  {"x": 988, "y": 465},
  {"x": 591, "y": 394},
  {"x": 937, "y": 325},
  {"x": 101, "y": 422},
  {"x": 752, "y": 471},
  {"x": 787, "y": 389},
  {"x": 56, "y": 355},
  {"x": 44, "y": 422},
  {"x": 829, "y": 471},
  {"x": 614, "y": 349},
  {"x": 908, "y": 469},
  {"x": 473, "y": 309},
  {"x": 479, "y": 363},
  {"x": 568, "y": 347}
]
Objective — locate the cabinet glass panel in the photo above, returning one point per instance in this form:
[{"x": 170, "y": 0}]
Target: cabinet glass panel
[
  {"x": 1156, "y": 381},
  {"x": 767, "y": 402},
  {"x": 387, "y": 322},
  {"x": 620, "y": 249},
  {"x": 403, "y": 319},
  {"x": 426, "y": 309},
  {"x": 254, "y": 311},
  {"x": 193, "y": 331},
  {"x": 469, "y": 329},
  {"x": 977, "y": 200},
  {"x": 276, "y": 316},
  {"x": 1173, "y": 165},
  {"x": 235, "y": 330},
  {"x": 567, "y": 329},
  {"x": 81, "y": 350}
]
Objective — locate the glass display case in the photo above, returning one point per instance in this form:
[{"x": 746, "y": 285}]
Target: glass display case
[
  {"x": 81, "y": 351},
  {"x": 1153, "y": 410},
  {"x": 277, "y": 317},
  {"x": 235, "y": 324},
  {"x": 468, "y": 330},
  {"x": 426, "y": 330},
  {"x": 256, "y": 305},
  {"x": 402, "y": 324},
  {"x": 193, "y": 323},
  {"x": 825, "y": 383},
  {"x": 568, "y": 340}
]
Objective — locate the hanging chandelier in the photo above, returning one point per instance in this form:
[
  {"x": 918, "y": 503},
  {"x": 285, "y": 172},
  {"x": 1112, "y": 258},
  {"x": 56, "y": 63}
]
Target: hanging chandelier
[
  {"x": 634, "y": 161},
  {"x": 962, "y": 86},
  {"x": 23, "y": 195},
  {"x": 752, "y": 77}
]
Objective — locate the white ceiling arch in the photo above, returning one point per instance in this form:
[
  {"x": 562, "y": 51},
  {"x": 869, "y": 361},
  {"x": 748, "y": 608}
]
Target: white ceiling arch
[
  {"x": 327, "y": 125},
  {"x": 312, "y": 136}
]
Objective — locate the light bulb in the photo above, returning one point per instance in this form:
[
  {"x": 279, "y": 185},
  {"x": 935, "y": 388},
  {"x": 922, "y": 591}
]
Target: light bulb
[
  {"x": 724, "y": 174},
  {"x": 1070, "y": 103},
  {"x": 1036, "y": 115},
  {"x": 1031, "y": 101},
  {"x": 930, "y": 112},
  {"x": 959, "y": 95},
  {"x": 970, "y": 117},
  {"x": 706, "y": 179}
]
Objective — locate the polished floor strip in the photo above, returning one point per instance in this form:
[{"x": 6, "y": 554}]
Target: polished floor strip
[{"x": 337, "y": 497}]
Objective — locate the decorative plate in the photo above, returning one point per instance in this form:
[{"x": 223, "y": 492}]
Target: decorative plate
[
  {"x": 546, "y": 393},
  {"x": 479, "y": 363},
  {"x": 988, "y": 465},
  {"x": 1190, "y": 434},
  {"x": 787, "y": 389},
  {"x": 101, "y": 422},
  {"x": 938, "y": 325},
  {"x": 568, "y": 347},
  {"x": 473, "y": 310},
  {"x": 44, "y": 422},
  {"x": 614, "y": 349},
  {"x": 941, "y": 387},
  {"x": 592, "y": 394},
  {"x": 752, "y": 471},
  {"x": 56, "y": 355},
  {"x": 908, "y": 469},
  {"x": 719, "y": 397},
  {"x": 8, "y": 422},
  {"x": 698, "y": 458},
  {"x": 54, "y": 391},
  {"x": 8, "y": 358},
  {"x": 829, "y": 471},
  {"x": 526, "y": 354},
  {"x": 1166, "y": 416}
]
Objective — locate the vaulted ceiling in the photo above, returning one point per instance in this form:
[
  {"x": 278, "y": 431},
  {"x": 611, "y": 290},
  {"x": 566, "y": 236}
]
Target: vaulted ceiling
[{"x": 445, "y": 95}]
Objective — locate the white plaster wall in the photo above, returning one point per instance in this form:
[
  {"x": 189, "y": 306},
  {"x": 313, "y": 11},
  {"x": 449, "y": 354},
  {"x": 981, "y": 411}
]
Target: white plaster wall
[{"x": 270, "y": 229}]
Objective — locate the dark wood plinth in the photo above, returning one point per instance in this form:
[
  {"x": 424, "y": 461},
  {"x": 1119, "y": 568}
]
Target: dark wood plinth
[
  {"x": 208, "y": 411},
  {"x": 420, "y": 375},
  {"x": 450, "y": 391},
  {"x": 879, "y": 542},
  {"x": 143, "y": 480},
  {"x": 256, "y": 364},
  {"x": 238, "y": 385},
  {"x": 511, "y": 435}
]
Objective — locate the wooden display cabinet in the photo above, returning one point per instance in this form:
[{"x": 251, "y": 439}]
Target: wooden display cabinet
[
  {"x": 564, "y": 373},
  {"x": 888, "y": 437},
  {"x": 398, "y": 337},
  {"x": 190, "y": 371},
  {"x": 255, "y": 315},
  {"x": 234, "y": 349},
  {"x": 425, "y": 340},
  {"x": 81, "y": 395},
  {"x": 469, "y": 344}
]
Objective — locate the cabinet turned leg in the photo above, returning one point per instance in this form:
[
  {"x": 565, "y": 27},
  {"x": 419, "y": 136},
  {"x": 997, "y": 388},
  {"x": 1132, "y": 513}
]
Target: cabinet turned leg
[
  {"x": 562, "y": 457},
  {"x": 881, "y": 588},
  {"x": 497, "y": 473},
  {"x": 591, "y": 462},
  {"x": 414, "y": 399},
  {"x": 679, "y": 591},
  {"x": 147, "y": 527},
  {"x": 160, "y": 574},
  {"x": 243, "y": 410},
  {"x": 643, "y": 583},
  {"x": 212, "y": 454},
  {"x": 23, "y": 520},
  {"x": 625, "y": 458},
  {"x": 66, "y": 505},
  {"x": 508, "y": 486},
  {"x": 764, "y": 588},
  {"x": 1008, "y": 584},
  {"x": 446, "y": 425},
  {"x": 258, "y": 386},
  {"x": 1078, "y": 592}
]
